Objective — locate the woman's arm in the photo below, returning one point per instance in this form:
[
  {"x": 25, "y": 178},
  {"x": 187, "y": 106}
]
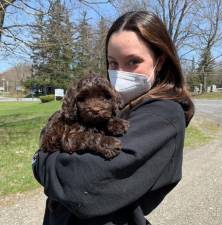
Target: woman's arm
[{"x": 151, "y": 158}]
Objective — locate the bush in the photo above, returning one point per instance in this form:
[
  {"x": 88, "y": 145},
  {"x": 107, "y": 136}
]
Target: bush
[
  {"x": 47, "y": 98},
  {"x": 59, "y": 98}
]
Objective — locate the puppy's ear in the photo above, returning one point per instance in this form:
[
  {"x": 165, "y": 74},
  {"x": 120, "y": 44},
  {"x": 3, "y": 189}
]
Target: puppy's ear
[{"x": 69, "y": 107}]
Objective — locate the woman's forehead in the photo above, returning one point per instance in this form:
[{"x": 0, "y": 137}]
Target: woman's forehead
[{"x": 125, "y": 44}]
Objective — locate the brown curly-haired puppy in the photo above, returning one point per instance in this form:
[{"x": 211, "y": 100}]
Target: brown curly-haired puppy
[{"x": 88, "y": 120}]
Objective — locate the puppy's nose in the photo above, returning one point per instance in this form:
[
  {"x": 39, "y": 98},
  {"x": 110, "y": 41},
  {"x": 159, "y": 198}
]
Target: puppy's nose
[{"x": 96, "y": 109}]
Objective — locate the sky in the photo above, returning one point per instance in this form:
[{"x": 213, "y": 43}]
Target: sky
[{"x": 14, "y": 17}]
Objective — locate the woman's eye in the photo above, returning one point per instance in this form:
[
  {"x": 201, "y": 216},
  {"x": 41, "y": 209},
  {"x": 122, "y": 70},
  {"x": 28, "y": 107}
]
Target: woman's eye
[
  {"x": 133, "y": 62},
  {"x": 113, "y": 65}
]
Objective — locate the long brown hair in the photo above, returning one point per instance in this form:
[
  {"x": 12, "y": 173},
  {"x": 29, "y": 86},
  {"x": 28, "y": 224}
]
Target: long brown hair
[{"x": 169, "y": 81}]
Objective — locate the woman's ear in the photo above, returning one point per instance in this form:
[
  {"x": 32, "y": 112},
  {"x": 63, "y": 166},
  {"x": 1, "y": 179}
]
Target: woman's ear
[{"x": 69, "y": 106}]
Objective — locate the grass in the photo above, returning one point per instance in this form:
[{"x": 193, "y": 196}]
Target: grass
[
  {"x": 210, "y": 96},
  {"x": 20, "y": 124},
  {"x": 200, "y": 131}
]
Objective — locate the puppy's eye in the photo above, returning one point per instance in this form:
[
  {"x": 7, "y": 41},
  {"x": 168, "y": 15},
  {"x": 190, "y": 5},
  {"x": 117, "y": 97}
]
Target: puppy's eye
[
  {"x": 80, "y": 98},
  {"x": 107, "y": 95}
]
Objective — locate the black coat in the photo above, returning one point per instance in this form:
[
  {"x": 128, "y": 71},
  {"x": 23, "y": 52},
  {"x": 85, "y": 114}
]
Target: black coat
[{"x": 92, "y": 191}]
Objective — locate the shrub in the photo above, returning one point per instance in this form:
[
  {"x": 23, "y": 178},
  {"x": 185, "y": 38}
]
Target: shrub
[
  {"x": 59, "y": 98},
  {"x": 47, "y": 98}
]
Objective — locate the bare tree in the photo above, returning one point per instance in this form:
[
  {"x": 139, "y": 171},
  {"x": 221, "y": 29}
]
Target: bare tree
[
  {"x": 3, "y": 6},
  {"x": 16, "y": 21},
  {"x": 15, "y": 26},
  {"x": 123, "y": 6},
  {"x": 178, "y": 16},
  {"x": 208, "y": 36}
]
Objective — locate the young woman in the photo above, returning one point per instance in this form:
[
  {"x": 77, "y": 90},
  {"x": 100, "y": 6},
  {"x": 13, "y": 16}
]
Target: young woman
[{"x": 141, "y": 61}]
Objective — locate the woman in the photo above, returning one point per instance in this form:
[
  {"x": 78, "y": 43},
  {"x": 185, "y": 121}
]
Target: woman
[{"x": 141, "y": 61}]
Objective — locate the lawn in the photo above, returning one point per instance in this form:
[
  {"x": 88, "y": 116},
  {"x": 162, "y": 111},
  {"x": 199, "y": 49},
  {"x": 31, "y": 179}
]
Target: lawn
[
  {"x": 20, "y": 124},
  {"x": 200, "y": 131}
]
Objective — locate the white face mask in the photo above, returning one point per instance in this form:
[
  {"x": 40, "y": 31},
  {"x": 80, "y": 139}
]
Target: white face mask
[{"x": 129, "y": 85}]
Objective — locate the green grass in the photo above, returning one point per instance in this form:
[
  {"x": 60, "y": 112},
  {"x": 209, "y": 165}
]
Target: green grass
[
  {"x": 210, "y": 95},
  {"x": 20, "y": 125},
  {"x": 200, "y": 131}
]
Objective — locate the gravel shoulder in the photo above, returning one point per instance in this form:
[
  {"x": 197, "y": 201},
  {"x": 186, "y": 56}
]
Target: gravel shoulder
[{"x": 22, "y": 209}]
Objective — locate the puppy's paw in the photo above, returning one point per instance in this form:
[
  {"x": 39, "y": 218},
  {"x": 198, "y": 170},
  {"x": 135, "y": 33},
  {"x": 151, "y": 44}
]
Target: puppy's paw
[
  {"x": 111, "y": 147},
  {"x": 110, "y": 153},
  {"x": 118, "y": 126}
]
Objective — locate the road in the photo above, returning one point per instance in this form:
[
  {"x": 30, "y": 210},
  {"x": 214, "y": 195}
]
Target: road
[
  {"x": 5, "y": 99},
  {"x": 208, "y": 107},
  {"x": 196, "y": 200},
  {"x": 212, "y": 108}
]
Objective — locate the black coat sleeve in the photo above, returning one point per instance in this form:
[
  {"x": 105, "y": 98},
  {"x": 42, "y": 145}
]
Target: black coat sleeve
[{"x": 151, "y": 158}]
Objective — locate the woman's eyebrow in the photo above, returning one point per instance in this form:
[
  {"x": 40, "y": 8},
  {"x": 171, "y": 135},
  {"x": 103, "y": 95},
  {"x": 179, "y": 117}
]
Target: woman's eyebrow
[
  {"x": 110, "y": 57},
  {"x": 133, "y": 55},
  {"x": 126, "y": 56}
]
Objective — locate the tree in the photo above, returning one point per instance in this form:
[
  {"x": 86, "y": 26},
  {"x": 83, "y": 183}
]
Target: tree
[
  {"x": 15, "y": 24},
  {"x": 178, "y": 16},
  {"x": 83, "y": 55},
  {"x": 208, "y": 37},
  {"x": 205, "y": 68},
  {"x": 123, "y": 6},
  {"x": 3, "y": 6},
  {"x": 53, "y": 50},
  {"x": 99, "y": 52}
]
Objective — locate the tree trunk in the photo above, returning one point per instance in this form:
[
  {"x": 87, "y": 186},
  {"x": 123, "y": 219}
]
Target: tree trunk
[{"x": 3, "y": 5}]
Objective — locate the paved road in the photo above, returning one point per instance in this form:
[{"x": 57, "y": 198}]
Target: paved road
[
  {"x": 5, "y": 99},
  {"x": 213, "y": 108}
]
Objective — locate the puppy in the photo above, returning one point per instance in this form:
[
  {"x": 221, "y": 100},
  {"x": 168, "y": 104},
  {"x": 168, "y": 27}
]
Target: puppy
[{"x": 87, "y": 121}]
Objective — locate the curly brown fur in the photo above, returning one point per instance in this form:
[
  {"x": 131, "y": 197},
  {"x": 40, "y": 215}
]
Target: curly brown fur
[{"x": 87, "y": 121}]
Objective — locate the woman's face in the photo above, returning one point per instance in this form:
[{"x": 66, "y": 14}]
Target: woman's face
[{"x": 127, "y": 52}]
